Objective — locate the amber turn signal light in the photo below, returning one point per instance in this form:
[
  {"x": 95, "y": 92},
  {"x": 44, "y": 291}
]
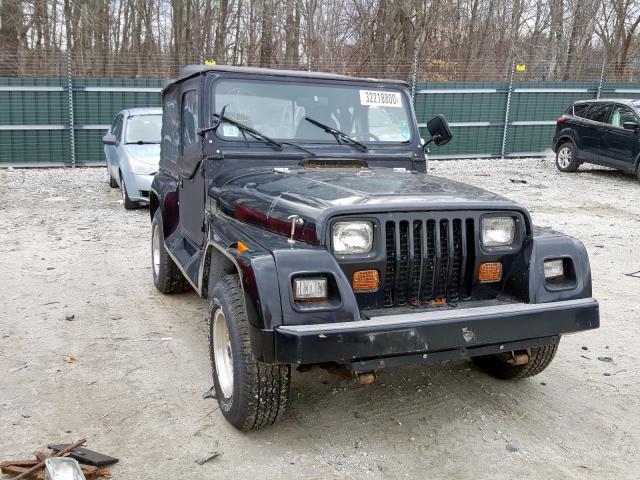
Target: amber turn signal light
[
  {"x": 490, "y": 272},
  {"x": 365, "y": 281}
]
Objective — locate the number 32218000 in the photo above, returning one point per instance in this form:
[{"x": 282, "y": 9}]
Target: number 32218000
[{"x": 380, "y": 99}]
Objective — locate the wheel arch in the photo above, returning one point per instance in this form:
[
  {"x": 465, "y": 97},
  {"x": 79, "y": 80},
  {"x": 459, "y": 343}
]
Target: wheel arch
[
  {"x": 564, "y": 139},
  {"x": 154, "y": 203},
  {"x": 216, "y": 264}
]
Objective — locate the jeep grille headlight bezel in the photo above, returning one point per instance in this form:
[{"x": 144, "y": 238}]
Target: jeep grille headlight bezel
[
  {"x": 498, "y": 231},
  {"x": 352, "y": 237}
]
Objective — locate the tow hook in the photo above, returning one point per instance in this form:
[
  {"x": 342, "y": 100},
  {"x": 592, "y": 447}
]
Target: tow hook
[
  {"x": 366, "y": 378},
  {"x": 519, "y": 358}
]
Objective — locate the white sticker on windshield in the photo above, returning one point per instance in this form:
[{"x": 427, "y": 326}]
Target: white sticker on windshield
[
  {"x": 378, "y": 98},
  {"x": 230, "y": 131}
]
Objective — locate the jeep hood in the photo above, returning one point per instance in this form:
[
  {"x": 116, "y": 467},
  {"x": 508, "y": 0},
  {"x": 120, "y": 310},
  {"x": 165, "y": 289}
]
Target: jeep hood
[{"x": 268, "y": 197}]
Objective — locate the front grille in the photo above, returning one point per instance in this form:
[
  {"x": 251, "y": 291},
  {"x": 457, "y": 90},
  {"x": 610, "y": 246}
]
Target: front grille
[{"x": 428, "y": 260}]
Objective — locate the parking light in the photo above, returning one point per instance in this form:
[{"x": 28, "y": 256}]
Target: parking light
[
  {"x": 365, "y": 281},
  {"x": 490, "y": 272},
  {"x": 553, "y": 269},
  {"x": 307, "y": 289}
]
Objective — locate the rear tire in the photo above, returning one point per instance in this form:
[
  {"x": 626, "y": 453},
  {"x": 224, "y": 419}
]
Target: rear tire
[
  {"x": 126, "y": 201},
  {"x": 251, "y": 394},
  {"x": 166, "y": 276},
  {"x": 566, "y": 160},
  {"x": 539, "y": 359}
]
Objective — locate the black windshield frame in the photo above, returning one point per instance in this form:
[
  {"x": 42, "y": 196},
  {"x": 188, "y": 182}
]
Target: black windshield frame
[{"x": 414, "y": 133}]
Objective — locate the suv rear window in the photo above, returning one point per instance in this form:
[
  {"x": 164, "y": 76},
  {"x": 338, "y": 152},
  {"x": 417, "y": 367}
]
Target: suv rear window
[{"x": 599, "y": 112}]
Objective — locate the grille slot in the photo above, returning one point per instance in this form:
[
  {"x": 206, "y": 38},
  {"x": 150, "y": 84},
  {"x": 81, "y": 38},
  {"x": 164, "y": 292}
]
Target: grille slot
[{"x": 427, "y": 260}]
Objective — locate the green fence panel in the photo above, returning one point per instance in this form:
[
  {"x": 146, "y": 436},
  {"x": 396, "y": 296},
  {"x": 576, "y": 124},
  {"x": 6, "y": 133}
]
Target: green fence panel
[
  {"x": 34, "y": 118},
  {"x": 34, "y": 147}
]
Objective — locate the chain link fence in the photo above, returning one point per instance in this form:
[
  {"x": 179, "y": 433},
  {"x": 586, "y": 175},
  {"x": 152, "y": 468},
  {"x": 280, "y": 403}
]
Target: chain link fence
[{"x": 57, "y": 105}]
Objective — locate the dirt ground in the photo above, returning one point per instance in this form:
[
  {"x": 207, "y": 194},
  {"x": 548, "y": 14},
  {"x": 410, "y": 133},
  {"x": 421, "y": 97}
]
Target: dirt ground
[{"x": 75, "y": 281}]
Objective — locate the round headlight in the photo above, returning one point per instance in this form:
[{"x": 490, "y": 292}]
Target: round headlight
[
  {"x": 352, "y": 237},
  {"x": 498, "y": 231}
]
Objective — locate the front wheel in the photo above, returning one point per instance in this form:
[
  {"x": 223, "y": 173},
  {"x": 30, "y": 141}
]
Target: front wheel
[
  {"x": 112, "y": 181},
  {"x": 566, "y": 160},
  {"x": 166, "y": 276},
  {"x": 126, "y": 201},
  {"x": 251, "y": 394},
  {"x": 504, "y": 367}
]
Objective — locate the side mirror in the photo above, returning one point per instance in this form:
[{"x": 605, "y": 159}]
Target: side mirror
[
  {"x": 631, "y": 126},
  {"x": 109, "y": 139},
  {"x": 439, "y": 130}
]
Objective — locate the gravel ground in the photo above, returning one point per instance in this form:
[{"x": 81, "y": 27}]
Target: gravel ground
[{"x": 75, "y": 281}]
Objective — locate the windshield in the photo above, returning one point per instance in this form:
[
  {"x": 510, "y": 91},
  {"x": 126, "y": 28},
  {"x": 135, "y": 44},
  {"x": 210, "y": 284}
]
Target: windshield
[
  {"x": 278, "y": 110},
  {"x": 143, "y": 129}
]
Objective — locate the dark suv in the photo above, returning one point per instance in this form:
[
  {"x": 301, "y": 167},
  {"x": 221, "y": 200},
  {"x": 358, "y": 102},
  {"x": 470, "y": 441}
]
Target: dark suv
[
  {"x": 298, "y": 203},
  {"x": 604, "y": 132}
]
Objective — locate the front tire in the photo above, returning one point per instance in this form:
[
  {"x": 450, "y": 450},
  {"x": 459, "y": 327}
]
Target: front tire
[
  {"x": 566, "y": 160},
  {"x": 166, "y": 276},
  {"x": 112, "y": 181},
  {"x": 126, "y": 201},
  {"x": 496, "y": 366},
  {"x": 251, "y": 394}
]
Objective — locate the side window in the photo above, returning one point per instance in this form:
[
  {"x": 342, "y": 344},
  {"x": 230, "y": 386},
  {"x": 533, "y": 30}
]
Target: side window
[
  {"x": 599, "y": 112},
  {"x": 189, "y": 118},
  {"x": 580, "y": 110},
  {"x": 622, "y": 114},
  {"x": 116, "y": 127},
  {"x": 170, "y": 128}
]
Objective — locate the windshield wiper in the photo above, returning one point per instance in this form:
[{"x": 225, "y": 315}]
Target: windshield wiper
[
  {"x": 339, "y": 136},
  {"x": 244, "y": 128},
  {"x": 254, "y": 133}
]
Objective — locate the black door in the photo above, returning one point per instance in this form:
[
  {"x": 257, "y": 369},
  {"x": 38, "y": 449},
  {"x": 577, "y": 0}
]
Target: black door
[
  {"x": 191, "y": 185},
  {"x": 592, "y": 131},
  {"x": 619, "y": 145}
]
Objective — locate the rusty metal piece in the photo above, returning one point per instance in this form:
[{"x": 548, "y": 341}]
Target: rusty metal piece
[
  {"x": 39, "y": 466},
  {"x": 366, "y": 378},
  {"x": 20, "y": 467},
  {"x": 438, "y": 302},
  {"x": 519, "y": 358}
]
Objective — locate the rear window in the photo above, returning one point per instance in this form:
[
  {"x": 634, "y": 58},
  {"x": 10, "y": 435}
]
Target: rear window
[
  {"x": 580, "y": 110},
  {"x": 599, "y": 112}
]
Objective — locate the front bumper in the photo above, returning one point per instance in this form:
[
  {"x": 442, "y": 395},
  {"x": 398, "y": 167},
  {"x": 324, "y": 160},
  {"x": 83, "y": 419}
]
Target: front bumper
[
  {"x": 138, "y": 186},
  {"x": 442, "y": 334}
]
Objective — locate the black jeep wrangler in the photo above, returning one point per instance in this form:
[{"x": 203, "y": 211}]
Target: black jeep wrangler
[{"x": 299, "y": 204}]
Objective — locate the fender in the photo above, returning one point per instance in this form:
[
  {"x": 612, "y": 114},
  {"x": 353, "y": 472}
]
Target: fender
[
  {"x": 548, "y": 244},
  {"x": 565, "y": 135}
]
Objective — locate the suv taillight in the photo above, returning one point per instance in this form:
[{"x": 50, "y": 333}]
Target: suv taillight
[{"x": 561, "y": 120}]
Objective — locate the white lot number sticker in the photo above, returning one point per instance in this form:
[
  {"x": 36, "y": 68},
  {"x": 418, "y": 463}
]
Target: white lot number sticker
[
  {"x": 230, "y": 130},
  {"x": 378, "y": 98}
]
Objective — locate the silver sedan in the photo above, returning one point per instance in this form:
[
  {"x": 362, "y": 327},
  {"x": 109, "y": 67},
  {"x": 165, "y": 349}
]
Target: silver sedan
[{"x": 132, "y": 149}]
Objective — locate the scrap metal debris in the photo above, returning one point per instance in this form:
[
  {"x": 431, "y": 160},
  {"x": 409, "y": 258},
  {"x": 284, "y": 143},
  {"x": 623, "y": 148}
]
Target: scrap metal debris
[
  {"x": 34, "y": 469},
  {"x": 207, "y": 458},
  {"x": 605, "y": 359},
  {"x": 633, "y": 274},
  {"x": 84, "y": 455},
  {"x": 211, "y": 393}
]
